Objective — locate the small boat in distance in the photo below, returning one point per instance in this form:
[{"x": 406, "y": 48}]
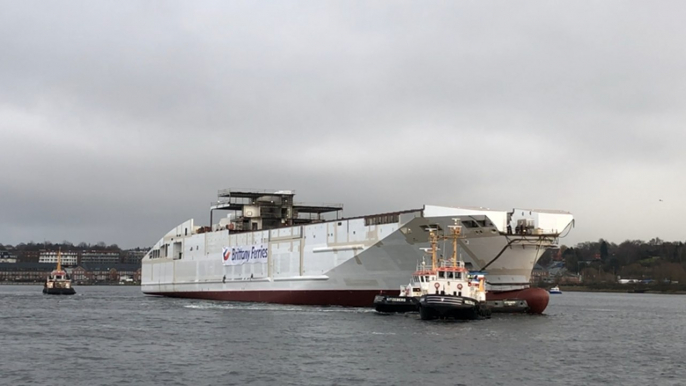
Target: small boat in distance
[
  {"x": 555, "y": 290},
  {"x": 58, "y": 282}
]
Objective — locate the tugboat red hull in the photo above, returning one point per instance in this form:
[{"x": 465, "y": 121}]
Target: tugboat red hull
[{"x": 536, "y": 300}]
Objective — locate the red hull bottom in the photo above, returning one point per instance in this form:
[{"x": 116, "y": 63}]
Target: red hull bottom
[
  {"x": 359, "y": 298},
  {"x": 536, "y": 298}
]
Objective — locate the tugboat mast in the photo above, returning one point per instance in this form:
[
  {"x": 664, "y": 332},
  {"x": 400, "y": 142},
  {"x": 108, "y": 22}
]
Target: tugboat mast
[
  {"x": 59, "y": 259},
  {"x": 457, "y": 230},
  {"x": 433, "y": 238}
]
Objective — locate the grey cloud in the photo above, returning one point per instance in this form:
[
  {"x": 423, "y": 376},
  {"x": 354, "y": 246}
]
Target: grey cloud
[{"x": 121, "y": 120}]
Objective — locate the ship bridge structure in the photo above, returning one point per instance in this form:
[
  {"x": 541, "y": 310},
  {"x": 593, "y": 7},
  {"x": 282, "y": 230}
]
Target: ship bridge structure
[{"x": 254, "y": 210}]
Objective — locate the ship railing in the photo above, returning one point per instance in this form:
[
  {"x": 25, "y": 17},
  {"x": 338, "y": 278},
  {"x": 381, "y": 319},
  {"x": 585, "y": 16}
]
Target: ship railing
[
  {"x": 538, "y": 232},
  {"x": 233, "y": 200},
  {"x": 320, "y": 204},
  {"x": 257, "y": 191},
  {"x": 447, "y": 263},
  {"x": 542, "y": 231},
  {"x": 421, "y": 267}
]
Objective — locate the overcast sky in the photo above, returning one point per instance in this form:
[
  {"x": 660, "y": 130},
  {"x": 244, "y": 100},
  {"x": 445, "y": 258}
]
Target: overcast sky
[{"x": 120, "y": 120}]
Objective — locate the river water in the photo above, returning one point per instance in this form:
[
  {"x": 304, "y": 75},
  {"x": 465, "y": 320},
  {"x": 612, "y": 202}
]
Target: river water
[{"x": 116, "y": 335}]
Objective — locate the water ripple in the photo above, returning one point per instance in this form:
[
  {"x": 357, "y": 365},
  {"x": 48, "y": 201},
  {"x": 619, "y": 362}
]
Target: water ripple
[{"x": 115, "y": 335}]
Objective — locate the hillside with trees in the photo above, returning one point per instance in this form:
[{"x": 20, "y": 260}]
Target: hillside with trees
[{"x": 602, "y": 263}]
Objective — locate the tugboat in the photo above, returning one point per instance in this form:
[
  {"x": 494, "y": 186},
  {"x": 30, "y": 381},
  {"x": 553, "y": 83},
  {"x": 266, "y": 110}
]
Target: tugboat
[
  {"x": 456, "y": 293},
  {"x": 58, "y": 283},
  {"x": 408, "y": 299}
]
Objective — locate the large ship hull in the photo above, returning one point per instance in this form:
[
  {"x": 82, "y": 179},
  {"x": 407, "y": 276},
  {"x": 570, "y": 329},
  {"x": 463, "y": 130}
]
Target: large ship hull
[
  {"x": 535, "y": 300},
  {"x": 342, "y": 262},
  {"x": 350, "y": 298}
]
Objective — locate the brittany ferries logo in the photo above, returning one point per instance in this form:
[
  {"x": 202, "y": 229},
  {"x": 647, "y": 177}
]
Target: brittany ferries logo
[{"x": 250, "y": 254}]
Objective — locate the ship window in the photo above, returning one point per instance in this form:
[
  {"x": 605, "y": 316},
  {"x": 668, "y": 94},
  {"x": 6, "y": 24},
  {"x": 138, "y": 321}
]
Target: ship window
[
  {"x": 450, "y": 275},
  {"x": 441, "y": 275},
  {"x": 458, "y": 275}
]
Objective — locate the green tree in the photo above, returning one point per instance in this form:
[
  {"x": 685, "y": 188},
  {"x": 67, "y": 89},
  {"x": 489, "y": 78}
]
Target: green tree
[
  {"x": 603, "y": 250},
  {"x": 571, "y": 260}
]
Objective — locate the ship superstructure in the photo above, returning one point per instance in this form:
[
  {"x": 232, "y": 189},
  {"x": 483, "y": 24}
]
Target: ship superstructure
[{"x": 268, "y": 248}]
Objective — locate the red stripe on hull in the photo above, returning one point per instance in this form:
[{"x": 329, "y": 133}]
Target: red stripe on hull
[
  {"x": 536, "y": 298},
  {"x": 359, "y": 298}
]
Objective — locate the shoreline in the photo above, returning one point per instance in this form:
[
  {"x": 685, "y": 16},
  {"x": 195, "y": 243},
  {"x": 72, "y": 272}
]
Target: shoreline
[{"x": 617, "y": 290}]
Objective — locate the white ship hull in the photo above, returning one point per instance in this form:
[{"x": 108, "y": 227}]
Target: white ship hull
[{"x": 344, "y": 262}]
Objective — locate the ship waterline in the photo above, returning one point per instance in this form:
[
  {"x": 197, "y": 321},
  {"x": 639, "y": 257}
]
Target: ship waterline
[
  {"x": 349, "y": 298},
  {"x": 267, "y": 251}
]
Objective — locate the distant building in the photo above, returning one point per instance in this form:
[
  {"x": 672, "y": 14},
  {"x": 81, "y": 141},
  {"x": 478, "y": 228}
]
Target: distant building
[
  {"x": 538, "y": 273},
  {"x": 31, "y": 256},
  {"x": 7, "y": 257},
  {"x": 82, "y": 274},
  {"x": 99, "y": 257},
  {"x": 106, "y": 273},
  {"x": 133, "y": 256},
  {"x": 557, "y": 268},
  {"x": 25, "y": 272},
  {"x": 571, "y": 279},
  {"x": 68, "y": 258},
  {"x": 628, "y": 281}
]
